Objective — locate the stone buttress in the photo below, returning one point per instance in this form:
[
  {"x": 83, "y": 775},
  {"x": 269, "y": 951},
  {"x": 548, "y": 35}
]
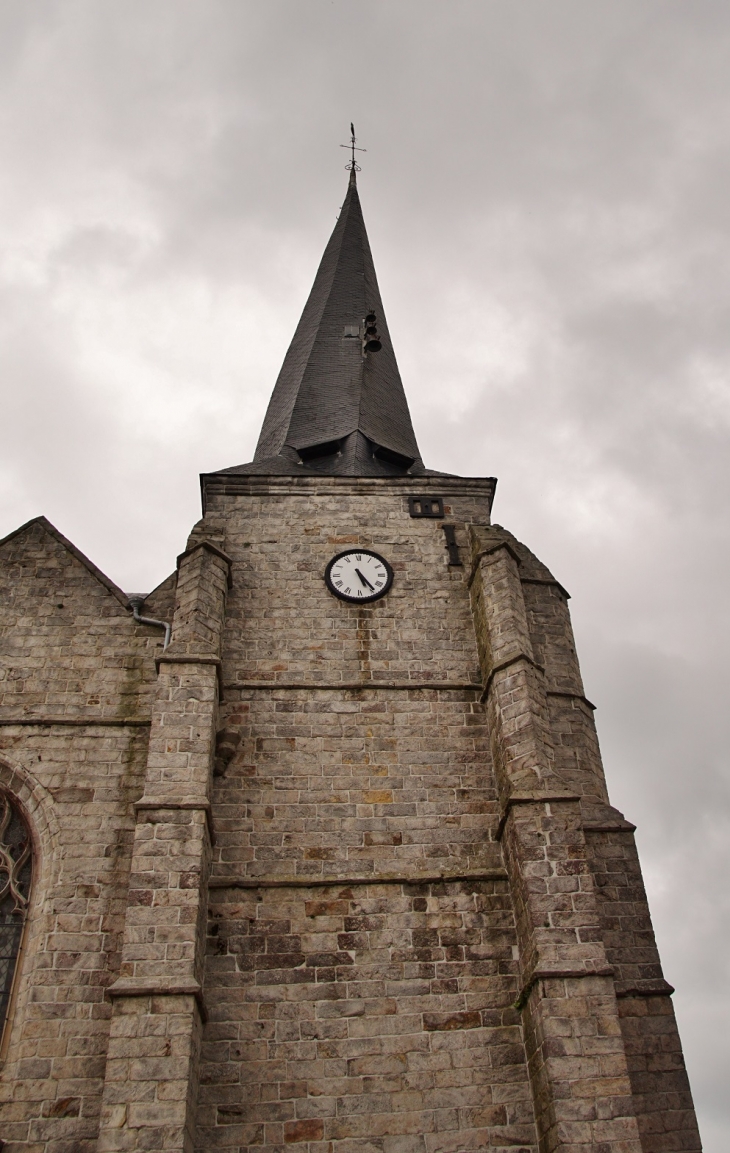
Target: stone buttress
[
  {"x": 605, "y": 1062},
  {"x": 154, "y": 1042}
]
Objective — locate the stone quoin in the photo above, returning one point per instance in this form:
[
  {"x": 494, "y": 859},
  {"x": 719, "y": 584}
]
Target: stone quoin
[{"x": 340, "y": 875}]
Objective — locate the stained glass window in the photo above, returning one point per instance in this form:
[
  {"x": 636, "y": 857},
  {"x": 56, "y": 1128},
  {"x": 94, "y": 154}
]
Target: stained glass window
[{"x": 15, "y": 876}]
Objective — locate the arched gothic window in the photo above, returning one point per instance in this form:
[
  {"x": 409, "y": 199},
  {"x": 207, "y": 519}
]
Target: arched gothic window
[{"x": 15, "y": 875}]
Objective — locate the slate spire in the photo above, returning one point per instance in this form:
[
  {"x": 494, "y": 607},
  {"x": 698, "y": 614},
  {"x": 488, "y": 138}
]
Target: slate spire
[{"x": 338, "y": 408}]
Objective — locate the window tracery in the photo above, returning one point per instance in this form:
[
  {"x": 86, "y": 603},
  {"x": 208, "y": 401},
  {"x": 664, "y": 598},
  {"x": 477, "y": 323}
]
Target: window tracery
[{"x": 15, "y": 877}]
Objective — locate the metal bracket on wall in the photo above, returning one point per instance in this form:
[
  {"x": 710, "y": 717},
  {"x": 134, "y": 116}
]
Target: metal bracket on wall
[{"x": 451, "y": 545}]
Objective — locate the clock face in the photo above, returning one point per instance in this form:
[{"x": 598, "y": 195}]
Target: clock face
[{"x": 358, "y": 576}]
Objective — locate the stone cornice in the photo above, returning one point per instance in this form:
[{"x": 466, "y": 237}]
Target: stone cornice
[
  {"x": 159, "y": 987},
  {"x": 571, "y": 696},
  {"x": 338, "y": 882},
  {"x": 525, "y": 580},
  {"x": 261, "y": 485},
  {"x": 193, "y": 659},
  {"x": 651, "y": 988},
  {"x": 162, "y": 804},
  {"x": 532, "y": 799},
  {"x": 78, "y": 722},
  {"x": 505, "y": 665},
  {"x": 562, "y": 974},
  {"x": 479, "y": 557},
  {"x": 211, "y": 548},
  {"x": 357, "y": 686}
]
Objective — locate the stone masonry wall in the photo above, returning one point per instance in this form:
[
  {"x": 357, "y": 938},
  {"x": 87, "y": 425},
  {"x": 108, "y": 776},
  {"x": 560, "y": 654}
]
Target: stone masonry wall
[
  {"x": 345, "y": 1012},
  {"x": 427, "y": 930},
  {"x": 366, "y": 1017},
  {"x": 355, "y": 782},
  {"x": 76, "y": 675},
  {"x": 283, "y": 626}
]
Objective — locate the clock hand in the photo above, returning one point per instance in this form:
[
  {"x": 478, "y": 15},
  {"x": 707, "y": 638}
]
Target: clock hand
[{"x": 365, "y": 580}]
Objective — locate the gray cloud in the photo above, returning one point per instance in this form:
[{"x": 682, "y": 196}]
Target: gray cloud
[{"x": 546, "y": 193}]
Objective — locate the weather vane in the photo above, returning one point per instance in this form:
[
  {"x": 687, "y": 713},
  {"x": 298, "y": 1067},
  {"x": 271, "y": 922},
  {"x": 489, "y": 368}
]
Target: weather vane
[{"x": 353, "y": 163}]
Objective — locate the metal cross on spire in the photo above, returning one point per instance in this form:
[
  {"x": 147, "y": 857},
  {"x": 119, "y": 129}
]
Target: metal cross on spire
[{"x": 353, "y": 166}]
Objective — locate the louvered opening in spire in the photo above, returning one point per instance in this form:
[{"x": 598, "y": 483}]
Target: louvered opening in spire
[{"x": 338, "y": 406}]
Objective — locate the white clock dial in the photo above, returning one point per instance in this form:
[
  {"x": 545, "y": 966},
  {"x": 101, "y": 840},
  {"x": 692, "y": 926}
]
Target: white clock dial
[{"x": 358, "y": 575}]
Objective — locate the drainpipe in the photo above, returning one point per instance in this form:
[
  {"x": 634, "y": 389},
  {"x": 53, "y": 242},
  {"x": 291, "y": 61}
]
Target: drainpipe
[{"x": 136, "y": 600}]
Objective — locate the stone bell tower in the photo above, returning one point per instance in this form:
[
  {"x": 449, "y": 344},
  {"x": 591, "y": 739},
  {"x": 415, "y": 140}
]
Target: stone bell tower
[{"x": 374, "y": 897}]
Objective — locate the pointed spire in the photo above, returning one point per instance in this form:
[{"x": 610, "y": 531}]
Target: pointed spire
[{"x": 338, "y": 405}]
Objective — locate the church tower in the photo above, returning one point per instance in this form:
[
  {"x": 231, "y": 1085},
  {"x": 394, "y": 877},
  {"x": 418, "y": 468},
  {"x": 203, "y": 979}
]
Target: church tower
[{"x": 335, "y": 868}]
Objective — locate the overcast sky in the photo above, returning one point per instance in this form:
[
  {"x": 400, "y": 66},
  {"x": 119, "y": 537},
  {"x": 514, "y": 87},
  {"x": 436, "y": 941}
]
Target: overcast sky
[{"x": 546, "y": 192}]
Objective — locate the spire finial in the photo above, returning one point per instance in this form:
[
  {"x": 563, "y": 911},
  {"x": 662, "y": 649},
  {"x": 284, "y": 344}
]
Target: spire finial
[{"x": 353, "y": 166}]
